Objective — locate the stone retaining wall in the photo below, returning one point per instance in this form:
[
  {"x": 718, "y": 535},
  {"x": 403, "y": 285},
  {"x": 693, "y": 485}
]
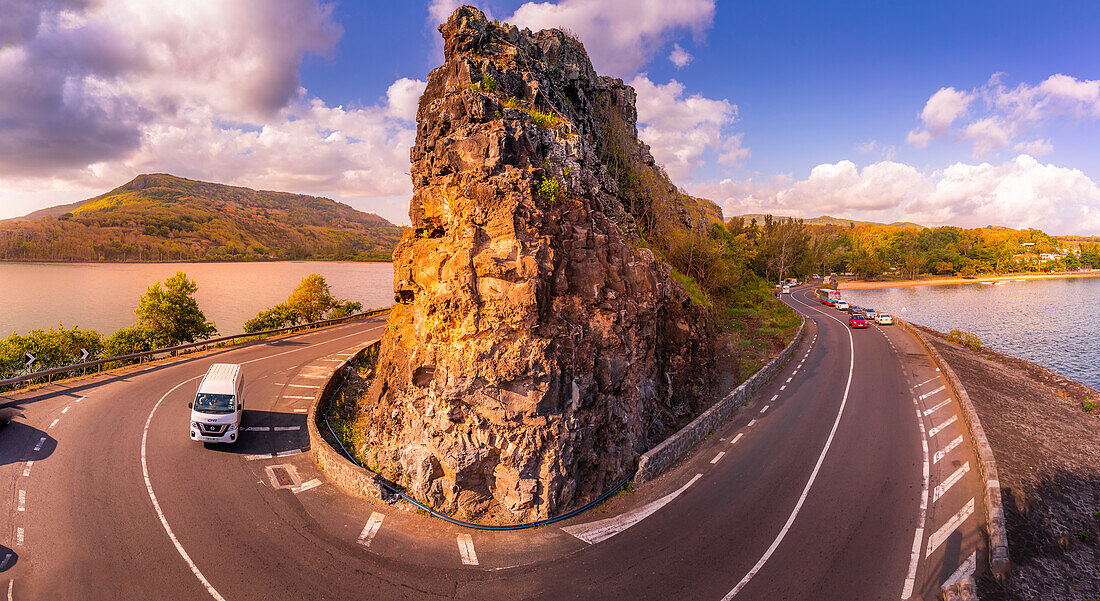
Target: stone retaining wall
[
  {"x": 987, "y": 465},
  {"x": 663, "y": 456}
]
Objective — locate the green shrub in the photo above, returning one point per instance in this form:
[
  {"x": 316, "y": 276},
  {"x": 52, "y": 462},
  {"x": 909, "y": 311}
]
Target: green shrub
[
  {"x": 968, "y": 339},
  {"x": 488, "y": 84},
  {"x": 1090, "y": 406},
  {"x": 542, "y": 118},
  {"x": 551, "y": 189}
]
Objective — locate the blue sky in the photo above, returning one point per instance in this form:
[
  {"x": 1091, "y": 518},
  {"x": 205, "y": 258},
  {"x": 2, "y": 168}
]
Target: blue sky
[{"x": 941, "y": 112}]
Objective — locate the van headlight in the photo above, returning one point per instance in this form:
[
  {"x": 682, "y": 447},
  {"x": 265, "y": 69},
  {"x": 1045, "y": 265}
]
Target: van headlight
[
  {"x": 195, "y": 425},
  {"x": 231, "y": 428}
]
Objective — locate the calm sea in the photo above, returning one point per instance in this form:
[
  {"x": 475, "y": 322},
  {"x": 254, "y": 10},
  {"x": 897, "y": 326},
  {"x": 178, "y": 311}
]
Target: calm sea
[
  {"x": 1054, "y": 323},
  {"x": 103, "y": 296}
]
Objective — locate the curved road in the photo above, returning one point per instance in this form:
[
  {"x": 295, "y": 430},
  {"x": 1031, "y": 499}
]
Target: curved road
[{"x": 821, "y": 488}]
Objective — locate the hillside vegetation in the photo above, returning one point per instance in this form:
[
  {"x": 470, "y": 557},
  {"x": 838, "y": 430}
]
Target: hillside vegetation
[{"x": 161, "y": 217}]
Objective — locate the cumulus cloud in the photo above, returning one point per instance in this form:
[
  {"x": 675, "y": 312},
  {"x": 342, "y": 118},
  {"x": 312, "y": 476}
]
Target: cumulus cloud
[
  {"x": 1006, "y": 113},
  {"x": 620, "y": 35},
  {"x": 206, "y": 89},
  {"x": 680, "y": 129},
  {"x": 680, "y": 57},
  {"x": 1021, "y": 192}
]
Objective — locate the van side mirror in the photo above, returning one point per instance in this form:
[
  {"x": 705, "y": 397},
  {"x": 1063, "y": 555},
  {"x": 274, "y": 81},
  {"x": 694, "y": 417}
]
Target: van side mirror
[
  {"x": 240, "y": 406},
  {"x": 189, "y": 405}
]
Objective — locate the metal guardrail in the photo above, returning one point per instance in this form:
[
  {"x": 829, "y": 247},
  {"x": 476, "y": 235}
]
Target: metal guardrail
[{"x": 48, "y": 373}]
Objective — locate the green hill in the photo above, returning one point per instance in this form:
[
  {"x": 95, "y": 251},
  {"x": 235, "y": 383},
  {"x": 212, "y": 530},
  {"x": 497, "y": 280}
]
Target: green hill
[
  {"x": 159, "y": 217},
  {"x": 826, "y": 220}
]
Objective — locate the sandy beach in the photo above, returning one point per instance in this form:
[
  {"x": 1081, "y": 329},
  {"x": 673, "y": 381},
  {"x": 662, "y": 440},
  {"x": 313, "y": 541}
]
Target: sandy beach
[{"x": 871, "y": 285}]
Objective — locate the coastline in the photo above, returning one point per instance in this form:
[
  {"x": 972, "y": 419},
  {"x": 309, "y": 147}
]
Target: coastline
[{"x": 873, "y": 285}]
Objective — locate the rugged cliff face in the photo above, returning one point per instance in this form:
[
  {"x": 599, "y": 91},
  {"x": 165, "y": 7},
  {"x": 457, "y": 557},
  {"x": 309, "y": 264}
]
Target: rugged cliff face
[{"x": 537, "y": 347}]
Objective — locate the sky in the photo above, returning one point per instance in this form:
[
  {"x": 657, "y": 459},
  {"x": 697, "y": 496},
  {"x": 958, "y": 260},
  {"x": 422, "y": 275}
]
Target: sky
[{"x": 943, "y": 113}]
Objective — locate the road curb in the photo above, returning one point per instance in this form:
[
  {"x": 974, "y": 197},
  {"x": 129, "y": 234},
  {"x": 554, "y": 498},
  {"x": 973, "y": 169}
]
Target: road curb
[
  {"x": 998, "y": 536},
  {"x": 342, "y": 471},
  {"x": 660, "y": 458}
]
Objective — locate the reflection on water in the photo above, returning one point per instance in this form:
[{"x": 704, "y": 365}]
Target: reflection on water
[
  {"x": 103, "y": 296},
  {"x": 1054, "y": 323}
]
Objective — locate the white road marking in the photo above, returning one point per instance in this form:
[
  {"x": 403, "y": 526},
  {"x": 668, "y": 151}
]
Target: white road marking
[
  {"x": 258, "y": 429},
  {"x": 255, "y": 457},
  {"x": 813, "y": 475},
  {"x": 751, "y": 423},
  {"x": 27, "y": 469},
  {"x": 928, "y": 394},
  {"x": 303, "y": 385},
  {"x": 156, "y": 505},
  {"x": 79, "y": 398},
  {"x": 54, "y": 423},
  {"x": 273, "y": 455},
  {"x": 11, "y": 587},
  {"x": 66, "y": 409},
  {"x": 312, "y": 376},
  {"x": 950, "y": 447},
  {"x": 765, "y": 409},
  {"x": 939, "y": 406},
  {"x": 41, "y": 441},
  {"x": 287, "y": 428},
  {"x": 373, "y": 524},
  {"x": 594, "y": 532},
  {"x": 789, "y": 379},
  {"x": 775, "y": 397},
  {"x": 300, "y": 410},
  {"x": 926, "y": 381},
  {"x": 965, "y": 570},
  {"x": 794, "y": 372},
  {"x": 782, "y": 388},
  {"x": 22, "y": 501},
  {"x": 939, "y": 428},
  {"x": 950, "y": 481},
  {"x": 18, "y": 537},
  {"x": 736, "y": 438},
  {"x": 717, "y": 457},
  {"x": 336, "y": 360},
  {"x": 938, "y": 537},
  {"x": 287, "y": 396},
  {"x": 314, "y": 483},
  {"x": 288, "y": 453},
  {"x": 466, "y": 550}
]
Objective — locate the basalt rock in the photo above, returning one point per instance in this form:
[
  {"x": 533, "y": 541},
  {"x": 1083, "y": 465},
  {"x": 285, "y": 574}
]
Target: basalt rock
[{"x": 537, "y": 347}]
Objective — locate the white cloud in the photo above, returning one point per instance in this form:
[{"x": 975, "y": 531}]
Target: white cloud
[
  {"x": 1035, "y": 148},
  {"x": 404, "y": 96},
  {"x": 1018, "y": 193},
  {"x": 619, "y": 35},
  {"x": 867, "y": 147},
  {"x": 1007, "y": 113},
  {"x": 679, "y": 129},
  {"x": 680, "y": 57}
]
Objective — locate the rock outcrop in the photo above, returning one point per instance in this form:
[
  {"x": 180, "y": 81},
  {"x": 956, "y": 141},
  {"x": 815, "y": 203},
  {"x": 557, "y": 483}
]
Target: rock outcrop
[{"x": 537, "y": 346}]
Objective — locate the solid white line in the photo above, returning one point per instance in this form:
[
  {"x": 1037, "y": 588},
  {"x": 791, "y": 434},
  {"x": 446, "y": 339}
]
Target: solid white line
[
  {"x": 258, "y": 429},
  {"x": 54, "y": 423},
  {"x": 373, "y": 524},
  {"x": 965, "y": 570},
  {"x": 939, "y": 428},
  {"x": 736, "y": 438},
  {"x": 11, "y": 587},
  {"x": 466, "y": 550},
  {"x": 925, "y": 382},
  {"x": 938, "y": 537},
  {"x": 936, "y": 391},
  {"x": 38, "y": 447},
  {"x": 18, "y": 537},
  {"x": 314, "y": 483},
  {"x": 303, "y": 385},
  {"x": 27, "y": 470},
  {"x": 941, "y": 405},
  {"x": 950, "y": 481},
  {"x": 287, "y": 428},
  {"x": 813, "y": 475},
  {"x": 950, "y": 447},
  {"x": 594, "y": 532},
  {"x": 156, "y": 505},
  {"x": 287, "y": 396},
  {"x": 717, "y": 457},
  {"x": 765, "y": 409},
  {"x": 918, "y": 534},
  {"x": 66, "y": 409},
  {"x": 22, "y": 501},
  {"x": 300, "y": 410}
]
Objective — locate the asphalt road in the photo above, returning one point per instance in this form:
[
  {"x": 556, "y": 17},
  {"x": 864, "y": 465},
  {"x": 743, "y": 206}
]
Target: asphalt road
[{"x": 813, "y": 491}]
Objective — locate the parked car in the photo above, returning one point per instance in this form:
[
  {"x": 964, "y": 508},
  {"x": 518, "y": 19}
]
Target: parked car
[
  {"x": 884, "y": 319},
  {"x": 870, "y": 313},
  {"x": 841, "y": 305},
  {"x": 857, "y": 320}
]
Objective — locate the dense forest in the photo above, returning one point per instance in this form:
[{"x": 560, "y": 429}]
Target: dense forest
[
  {"x": 166, "y": 218},
  {"x": 776, "y": 248}
]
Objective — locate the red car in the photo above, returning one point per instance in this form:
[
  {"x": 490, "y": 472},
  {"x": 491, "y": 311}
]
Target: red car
[{"x": 857, "y": 320}]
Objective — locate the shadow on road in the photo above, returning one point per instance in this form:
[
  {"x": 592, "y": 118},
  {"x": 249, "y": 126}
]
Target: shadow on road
[
  {"x": 18, "y": 442},
  {"x": 254, "y": 442},
  {"x": 8, "y": 557}
]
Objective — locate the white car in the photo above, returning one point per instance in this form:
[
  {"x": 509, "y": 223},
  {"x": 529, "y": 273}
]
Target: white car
[
  {"x": 884, "y": 319},
  {"x": 786, "y": 289},
  {"x": 841, "y": 305}
]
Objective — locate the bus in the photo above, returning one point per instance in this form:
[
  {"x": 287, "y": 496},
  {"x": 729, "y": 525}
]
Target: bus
[{"x": 828, "y": 296}]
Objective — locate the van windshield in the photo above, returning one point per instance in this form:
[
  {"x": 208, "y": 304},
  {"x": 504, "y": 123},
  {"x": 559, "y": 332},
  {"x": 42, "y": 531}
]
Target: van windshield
[{"x": 214, "y": 403}]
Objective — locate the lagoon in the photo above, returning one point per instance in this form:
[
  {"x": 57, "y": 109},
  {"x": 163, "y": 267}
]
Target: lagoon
[
  {"x": 103, "y": 296},
  {"x": 1054, "y": 323}
]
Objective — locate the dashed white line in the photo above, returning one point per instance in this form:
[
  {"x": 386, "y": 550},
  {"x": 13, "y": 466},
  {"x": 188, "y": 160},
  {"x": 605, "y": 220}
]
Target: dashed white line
[
  {"x": 793, "y": 373},
  {"x": 939, "y": 406},
  {"x": 27, "y": 469},
  {"x": 928, "y": 394},
  {"x": 944, "y": 451},
  {"x": 54, "y": 423},
  {"x": 938, "y": 537},
  {"x": 751, "y": 424},
  {"x": 466, "y": 550},
  {"x": 950, "y": 481},
  {"x": 22, "y": 501},
  {"x": 312, "y": 376},
  {"x": 782, "y": 388},
  {"x": 765, "y": 409},
  {"x": 287, "y": 428},
  {"x": 11, "y": 587},
  {"x": 736, "y": 438},
  {"x": 258, "y": 429},
  {"x": 303, "y": 386},
  {"x": 288, "y": 396},
  {"x": 717, "y": 457},
  {"x": 79, "y": 398},
  {"x": 300, "y": 410},
  {"x": 314, "y": 483},
  {"x": 66, "y": 409},
  {"x": 789, "y": 379},
  {"x": 775, "y": 397},
  {"x": 373, "y": 524},
  {"x": 18, "y": 537},
  {"x": 939, "y": 428},
  {"x": 41, "y": 441}
]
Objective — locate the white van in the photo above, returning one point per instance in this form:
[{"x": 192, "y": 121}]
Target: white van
[{"x": 216, "y": 411}]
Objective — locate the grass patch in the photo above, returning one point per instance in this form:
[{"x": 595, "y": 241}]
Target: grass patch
[{"x": 694, "y": 291}]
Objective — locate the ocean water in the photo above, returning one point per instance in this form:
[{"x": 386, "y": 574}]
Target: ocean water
[
  {"x": 103, "y": 296},
  {"x": 1054, "y": 323}
]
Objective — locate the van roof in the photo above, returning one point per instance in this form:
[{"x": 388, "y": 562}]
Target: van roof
[{"x": 220, "y": 378}]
